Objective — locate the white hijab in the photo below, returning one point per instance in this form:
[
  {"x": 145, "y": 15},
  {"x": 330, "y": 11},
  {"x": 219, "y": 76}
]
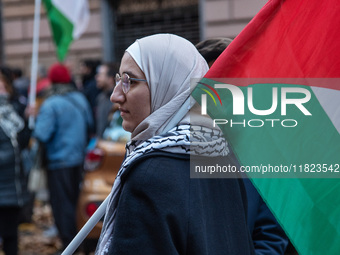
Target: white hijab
[{"x": 168, "y": 62}]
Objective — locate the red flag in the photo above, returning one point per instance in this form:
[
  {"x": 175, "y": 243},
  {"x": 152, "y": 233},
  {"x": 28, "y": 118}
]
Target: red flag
[
  {"x": 288, "y": 42},
  {"x": 286, "y": 39}
]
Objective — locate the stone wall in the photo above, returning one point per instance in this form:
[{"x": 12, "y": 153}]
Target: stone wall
[
  {"x": 226, "y": 18},
  {"x": 220, "y": 18},
  {"x": 17, "y": 25}
]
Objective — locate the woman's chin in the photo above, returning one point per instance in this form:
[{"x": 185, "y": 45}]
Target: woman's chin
[{"x": 127, "y": 126}]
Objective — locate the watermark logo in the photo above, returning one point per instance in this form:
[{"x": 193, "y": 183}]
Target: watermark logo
[
  {"x": 204, "y": 97},
  {"x": 239, "y": 104}
]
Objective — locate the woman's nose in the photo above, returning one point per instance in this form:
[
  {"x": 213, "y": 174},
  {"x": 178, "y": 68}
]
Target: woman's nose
[{"x": 118, "y": 95}]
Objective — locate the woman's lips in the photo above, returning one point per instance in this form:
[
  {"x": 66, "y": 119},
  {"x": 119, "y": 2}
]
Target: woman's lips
[{"x": 123, "y": 111}]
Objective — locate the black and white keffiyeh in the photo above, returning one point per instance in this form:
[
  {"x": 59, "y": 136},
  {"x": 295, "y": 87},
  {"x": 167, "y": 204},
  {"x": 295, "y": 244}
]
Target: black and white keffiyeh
[
  {"x": 10, "y": 121},
  {"x": 184, "y": 139}
]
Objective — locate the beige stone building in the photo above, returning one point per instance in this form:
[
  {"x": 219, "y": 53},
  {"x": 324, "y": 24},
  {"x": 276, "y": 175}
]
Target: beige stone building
[
  {"x": 17, "y": 25},
  {"x": 115, "y": 24}
]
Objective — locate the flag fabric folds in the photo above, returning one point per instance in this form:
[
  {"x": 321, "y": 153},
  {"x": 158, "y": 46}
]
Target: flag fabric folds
[
  {"x": 68, "y": 20},
  {"x": 289, "y": 51}
]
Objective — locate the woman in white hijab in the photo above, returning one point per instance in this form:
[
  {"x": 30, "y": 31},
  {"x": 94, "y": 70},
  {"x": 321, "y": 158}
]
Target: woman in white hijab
[{"x": 154, "y": 206}]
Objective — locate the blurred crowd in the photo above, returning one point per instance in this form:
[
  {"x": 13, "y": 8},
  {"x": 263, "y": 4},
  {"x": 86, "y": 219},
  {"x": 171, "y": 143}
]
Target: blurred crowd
[{"x": 66, "y": 115}]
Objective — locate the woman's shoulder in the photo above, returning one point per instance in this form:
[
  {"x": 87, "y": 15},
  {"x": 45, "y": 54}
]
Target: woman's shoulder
[
  {"x": 160, "y": 164},
  {"x": 158, "y": 169},
  {"x": 161, "y": 157}
]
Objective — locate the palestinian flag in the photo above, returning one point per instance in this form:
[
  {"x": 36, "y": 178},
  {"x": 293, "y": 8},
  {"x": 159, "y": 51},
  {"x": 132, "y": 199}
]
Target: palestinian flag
[
  {"x": 275, "y": 93},
  {"x": 68, "y": 20}
]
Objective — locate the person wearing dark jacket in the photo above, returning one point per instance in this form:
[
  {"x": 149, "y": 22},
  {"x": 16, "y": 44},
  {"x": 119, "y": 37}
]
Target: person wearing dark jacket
[
  {"x": 154, "y": 206},
  {"x": 105, "y": 80},
  {"x": 89, "y": 87},
  {"x": 14, "y": 137},
  {"x": 267, "y": 234}
]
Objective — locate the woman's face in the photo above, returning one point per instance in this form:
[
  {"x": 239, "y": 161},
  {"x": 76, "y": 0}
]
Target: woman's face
[{"x": 134, "y": 106}]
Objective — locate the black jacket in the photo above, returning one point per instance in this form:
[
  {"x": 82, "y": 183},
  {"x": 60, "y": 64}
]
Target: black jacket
[
  {"x": 13, "y": 180},
  {"x": 162, "y": 210},
  {"x": 268, "y": 236}
]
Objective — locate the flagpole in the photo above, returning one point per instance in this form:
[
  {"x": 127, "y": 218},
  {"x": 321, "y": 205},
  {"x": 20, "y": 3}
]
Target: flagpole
[
  {"x": 34, "y": 62},
  {"x": 86, "y": 229}
]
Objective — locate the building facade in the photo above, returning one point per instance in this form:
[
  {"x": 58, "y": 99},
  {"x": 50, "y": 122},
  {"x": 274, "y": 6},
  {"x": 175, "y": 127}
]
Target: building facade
[{"x": 116, "y": 24}]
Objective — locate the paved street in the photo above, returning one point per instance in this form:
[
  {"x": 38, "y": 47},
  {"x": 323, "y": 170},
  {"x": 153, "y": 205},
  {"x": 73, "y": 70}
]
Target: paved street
[
  {"x": 39, "y": 236},
  {"x": 34, "y": 238}
]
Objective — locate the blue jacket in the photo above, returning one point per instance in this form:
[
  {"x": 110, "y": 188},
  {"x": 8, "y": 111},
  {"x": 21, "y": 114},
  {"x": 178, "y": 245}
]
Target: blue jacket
[
  {"x": 161, "y": 210},
  {"x": 62, "y": 125}
]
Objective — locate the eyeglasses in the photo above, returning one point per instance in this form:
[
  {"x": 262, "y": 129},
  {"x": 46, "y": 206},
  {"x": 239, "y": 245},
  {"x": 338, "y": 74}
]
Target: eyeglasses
[{"x": 126, "y": 81}]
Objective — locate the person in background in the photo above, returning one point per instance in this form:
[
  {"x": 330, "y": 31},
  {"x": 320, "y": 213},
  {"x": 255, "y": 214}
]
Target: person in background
[
  {"x": 14, "y": 136},
  {"x": 21, "y": 84},
  {"x": 267, "y": 234},
  {"x": 43, "y": 81},
  {"x": 212, "y": 48},
  {"x": 88, "y": 70},
  {"x": 43, "y": 84},
  {"x": 62, "y": 126},
  {"x": 105, "y": 79}
]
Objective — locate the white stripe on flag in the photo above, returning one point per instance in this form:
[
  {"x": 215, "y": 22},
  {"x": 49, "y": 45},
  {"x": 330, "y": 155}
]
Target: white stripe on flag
[
  {"x": 330, "y": 102},
  {"x": 77, "y": 12}
]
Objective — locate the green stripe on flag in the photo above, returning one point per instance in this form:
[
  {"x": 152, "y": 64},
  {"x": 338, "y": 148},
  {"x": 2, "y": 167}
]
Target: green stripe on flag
[
  {"x": 61, "y": 28},
  {"x": 307, "y": 207},
  {"x": 307, "y": 210}
]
